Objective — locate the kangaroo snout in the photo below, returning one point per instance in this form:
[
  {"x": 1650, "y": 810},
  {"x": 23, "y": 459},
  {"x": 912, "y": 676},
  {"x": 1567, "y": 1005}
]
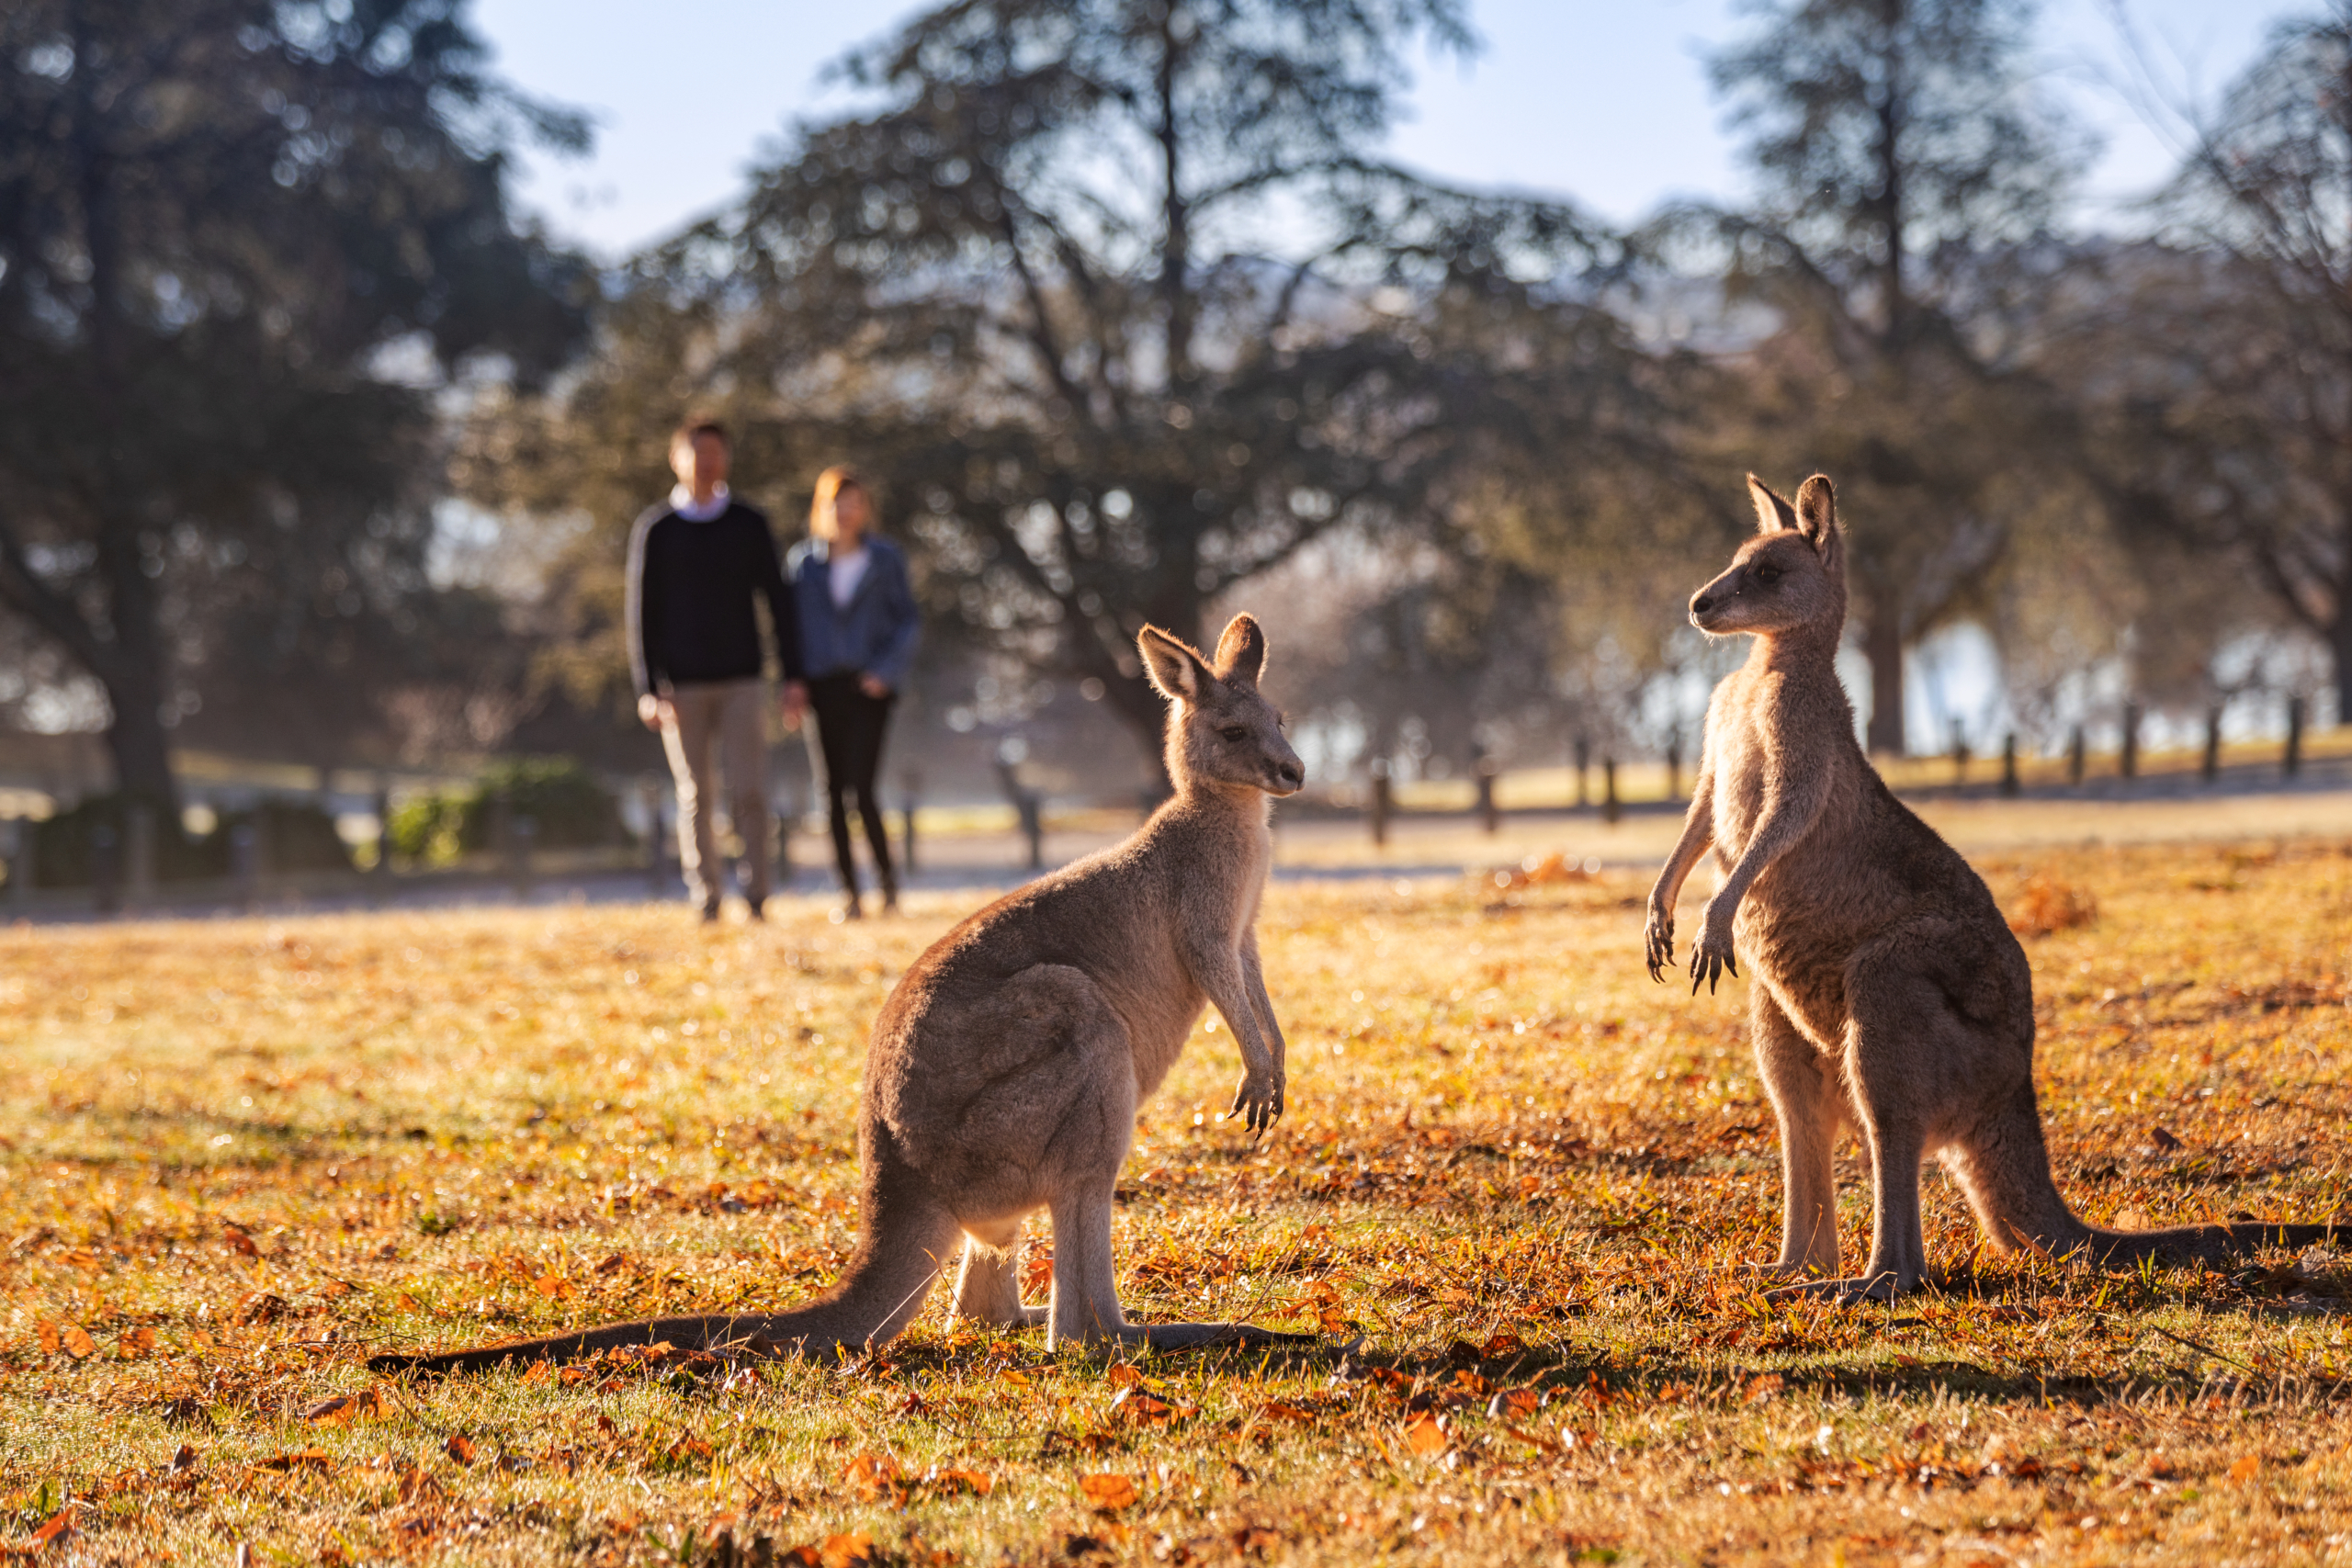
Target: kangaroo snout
[{"x": 1291, "y": 775}]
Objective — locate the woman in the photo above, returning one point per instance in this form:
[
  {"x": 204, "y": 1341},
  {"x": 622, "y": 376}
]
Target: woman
[{"x": 857, "y": 636}]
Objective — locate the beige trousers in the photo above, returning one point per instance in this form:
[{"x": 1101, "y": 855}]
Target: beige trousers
[{"x": 732, "y": 715}]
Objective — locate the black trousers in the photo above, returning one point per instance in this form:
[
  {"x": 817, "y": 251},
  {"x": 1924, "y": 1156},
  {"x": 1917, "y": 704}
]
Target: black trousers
[{"x": 849, "y": 731}]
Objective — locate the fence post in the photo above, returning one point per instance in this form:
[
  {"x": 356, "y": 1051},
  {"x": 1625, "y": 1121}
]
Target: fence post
[
  {"x": 139, "y": 825},
  {"x": 910, "y": 797},
  {"x": 1379, "y": 801},
  {"x": 1490, "y": 816},
  {"x": 2076, "y": 751},
  {"x": 1584, "y": 762},
  {"x": 521, "y": 837},
  {"x": 1958, "y": 752},
  {"x": 2211, "y": 767},
  {"x": 2294, "y": 761},
  {"x": 1610, "y": 809},
  {"x": 106, "y": 867},
  {"x": 244, "y": 860},
  {"x": 2009, "y": 784},
  {"x": 2127, "y": 764},
  {"x": 23, "y": 835}
]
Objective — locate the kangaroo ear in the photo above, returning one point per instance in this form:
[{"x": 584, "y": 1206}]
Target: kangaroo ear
[
  {"x": 1241, "y": 652},
  {"x": 1175, "y": 669},
  {"x": 1817, "y": 510},
  {"x": 1772, "y": 514}
]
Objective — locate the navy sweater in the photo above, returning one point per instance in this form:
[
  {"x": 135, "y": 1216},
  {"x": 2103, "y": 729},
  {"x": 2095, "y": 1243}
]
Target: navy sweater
[{"x": 691, "y": 588}]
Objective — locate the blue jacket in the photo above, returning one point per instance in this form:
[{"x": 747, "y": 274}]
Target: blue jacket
[{"x": 875, "y": 632}]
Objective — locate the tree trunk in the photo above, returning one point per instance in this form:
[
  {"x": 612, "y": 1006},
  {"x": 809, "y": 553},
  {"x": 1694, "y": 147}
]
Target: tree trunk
[
  {"x": 1882, "y": 643},
  {"x": 2339, "y": 647}
]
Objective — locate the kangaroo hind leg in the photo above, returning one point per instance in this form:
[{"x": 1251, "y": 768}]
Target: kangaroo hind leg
[
  {"x": 1809, "y": 1102},
  {"x": 988, "y": 1286},
  {"x": 1086, "y": 1299},
  {"x": 1899, "y": 1032}
]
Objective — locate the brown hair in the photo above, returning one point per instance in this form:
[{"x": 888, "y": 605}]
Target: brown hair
[
  {"x": 686, "y": 434},
  {"x": 829, "y": 484}
]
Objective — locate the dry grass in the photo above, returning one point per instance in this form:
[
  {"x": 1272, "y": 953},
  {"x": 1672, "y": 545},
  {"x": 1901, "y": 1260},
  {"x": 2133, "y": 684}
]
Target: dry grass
[{"x": 234, "y": 1157}]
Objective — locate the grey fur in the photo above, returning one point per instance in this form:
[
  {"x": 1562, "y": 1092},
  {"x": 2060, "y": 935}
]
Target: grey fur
[
  {"x": 1886, "y": 991},
  {"x": 1005, "y": 1069}
]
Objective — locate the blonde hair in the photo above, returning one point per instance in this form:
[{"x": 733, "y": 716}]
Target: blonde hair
[{"x": 829, "y": 484}]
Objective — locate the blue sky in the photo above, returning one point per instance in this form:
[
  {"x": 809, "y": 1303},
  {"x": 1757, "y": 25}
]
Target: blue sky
[{"x": 1607, "y": 103}]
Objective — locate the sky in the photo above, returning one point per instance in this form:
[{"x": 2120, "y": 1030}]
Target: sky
[{"x": 1605, "y": 101}]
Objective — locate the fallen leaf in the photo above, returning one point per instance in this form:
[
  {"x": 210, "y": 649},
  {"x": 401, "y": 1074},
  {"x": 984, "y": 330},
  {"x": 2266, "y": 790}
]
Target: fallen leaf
[
  {"x": 554, "y": 1285},
  {"x": 1765, "y": 1387},
  {"x": 459, "y": 1447},
  {"x": 842, "y": 1551},
  {"x": 1514, "y": 1403},
  {"x": 138, "y": 1342},
  {"x": 185, "y": 1459},
  {"x": 1426, "y": 1436},
  {"x": 1107, "y": 1492},
  {"x": 50, "y": 1341},
  {"x": 874, "y": 1475},
  {"x": 77, "y": 1341},
  {"x": 298, "y": 1458},
  {"x": 1124, "y": 1375},
  {"x": 241, "y": 1243},
  {"x": 537, "y": 1372},
  {"x": 260, "y": 1306},
  {"x": 953, "y": 1481},
  {"x": 1533, "y": 1440},
  {"x": 2245, "y": 1469},
  {"x": 1142, "y": 1409},
  {"x": 1282, "y": 1410},
  {"x": 59, "y": 1526}
]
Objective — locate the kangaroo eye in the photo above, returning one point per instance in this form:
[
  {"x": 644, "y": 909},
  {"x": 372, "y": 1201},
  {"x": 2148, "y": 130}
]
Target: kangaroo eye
[
  {"x": 1768, "y": 575},
  {"x": 1234, "y": 732}
]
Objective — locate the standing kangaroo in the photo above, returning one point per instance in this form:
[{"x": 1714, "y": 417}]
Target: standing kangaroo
[
  {"x": 1005, "y": 1069},
  {"x": 1887, "y": 991}
]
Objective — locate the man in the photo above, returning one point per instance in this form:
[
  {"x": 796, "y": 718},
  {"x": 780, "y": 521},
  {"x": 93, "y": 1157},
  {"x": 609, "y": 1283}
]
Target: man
[{"x": 695, "y": 567}]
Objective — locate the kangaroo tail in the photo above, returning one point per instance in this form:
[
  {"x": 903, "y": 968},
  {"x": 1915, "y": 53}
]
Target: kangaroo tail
[
  {"x": 2005, "y": 1169},
  {"x": 907, "y": 1239},
  {"x": 2206, "y": 1244}
]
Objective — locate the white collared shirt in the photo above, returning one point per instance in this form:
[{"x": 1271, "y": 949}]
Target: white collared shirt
[
  {"x": 682, "y": 502},
  {"x": 843, "y": 571}
]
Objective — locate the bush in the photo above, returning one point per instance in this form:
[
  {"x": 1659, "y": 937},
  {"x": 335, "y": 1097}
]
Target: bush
[
  {"x": 570, "y": 808},
  {"x": 300, "y": 837}
]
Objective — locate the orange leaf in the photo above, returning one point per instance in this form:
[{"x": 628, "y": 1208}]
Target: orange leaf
[
  {"x": 874, "y": 1475},
  {"x": 1107, "y": 1492},
  {"x": 842, "y": 1551},
  {"x": 185, "y": 1459},
  {"x": 1426, "y": 1436},
  {"x": 553, "y": 1284},
  {"x": 459, "y": 1447},
  {"x": 975, "y": 1482},
  {"x": 138, "y": 1342},
  {"x": 242, "y": 1245},
  {"x": 1018, "y": 1380},
  {"x": 59, "y": 1526},
  {"x": 77, "y": 1341},
  {"x": 300, "y": 1458},
  {"x": 1514, "y": 1404},
  {"x": 48, "y": 1335},
  {"x": 1279, "y": 1410},
  {"x": 1122, "y": 1375},
  {"x": 2245, "y": 1469},
  {"x": 538, "y": 1371}
]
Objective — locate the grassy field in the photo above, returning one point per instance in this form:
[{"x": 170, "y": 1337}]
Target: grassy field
[{"x": 237, "y": 1156}]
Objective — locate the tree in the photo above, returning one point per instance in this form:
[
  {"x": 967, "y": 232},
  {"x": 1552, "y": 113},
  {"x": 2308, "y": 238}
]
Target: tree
[
  {"x": 1113, "y": 299},
  {"x": 2236, "y": 436},
  {"x": 238, "y": 241},
  {"x": 1900, "y": 150}
]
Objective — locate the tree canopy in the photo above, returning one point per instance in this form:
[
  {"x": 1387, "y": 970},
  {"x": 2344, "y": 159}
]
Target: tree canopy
[{"x": 239, "y": 241}]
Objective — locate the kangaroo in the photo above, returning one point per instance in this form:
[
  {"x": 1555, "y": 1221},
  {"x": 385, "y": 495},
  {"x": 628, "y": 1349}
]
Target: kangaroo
[
  {"x": 1887, "y": 991},
  {"x": 1004, "y": 1069}
]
